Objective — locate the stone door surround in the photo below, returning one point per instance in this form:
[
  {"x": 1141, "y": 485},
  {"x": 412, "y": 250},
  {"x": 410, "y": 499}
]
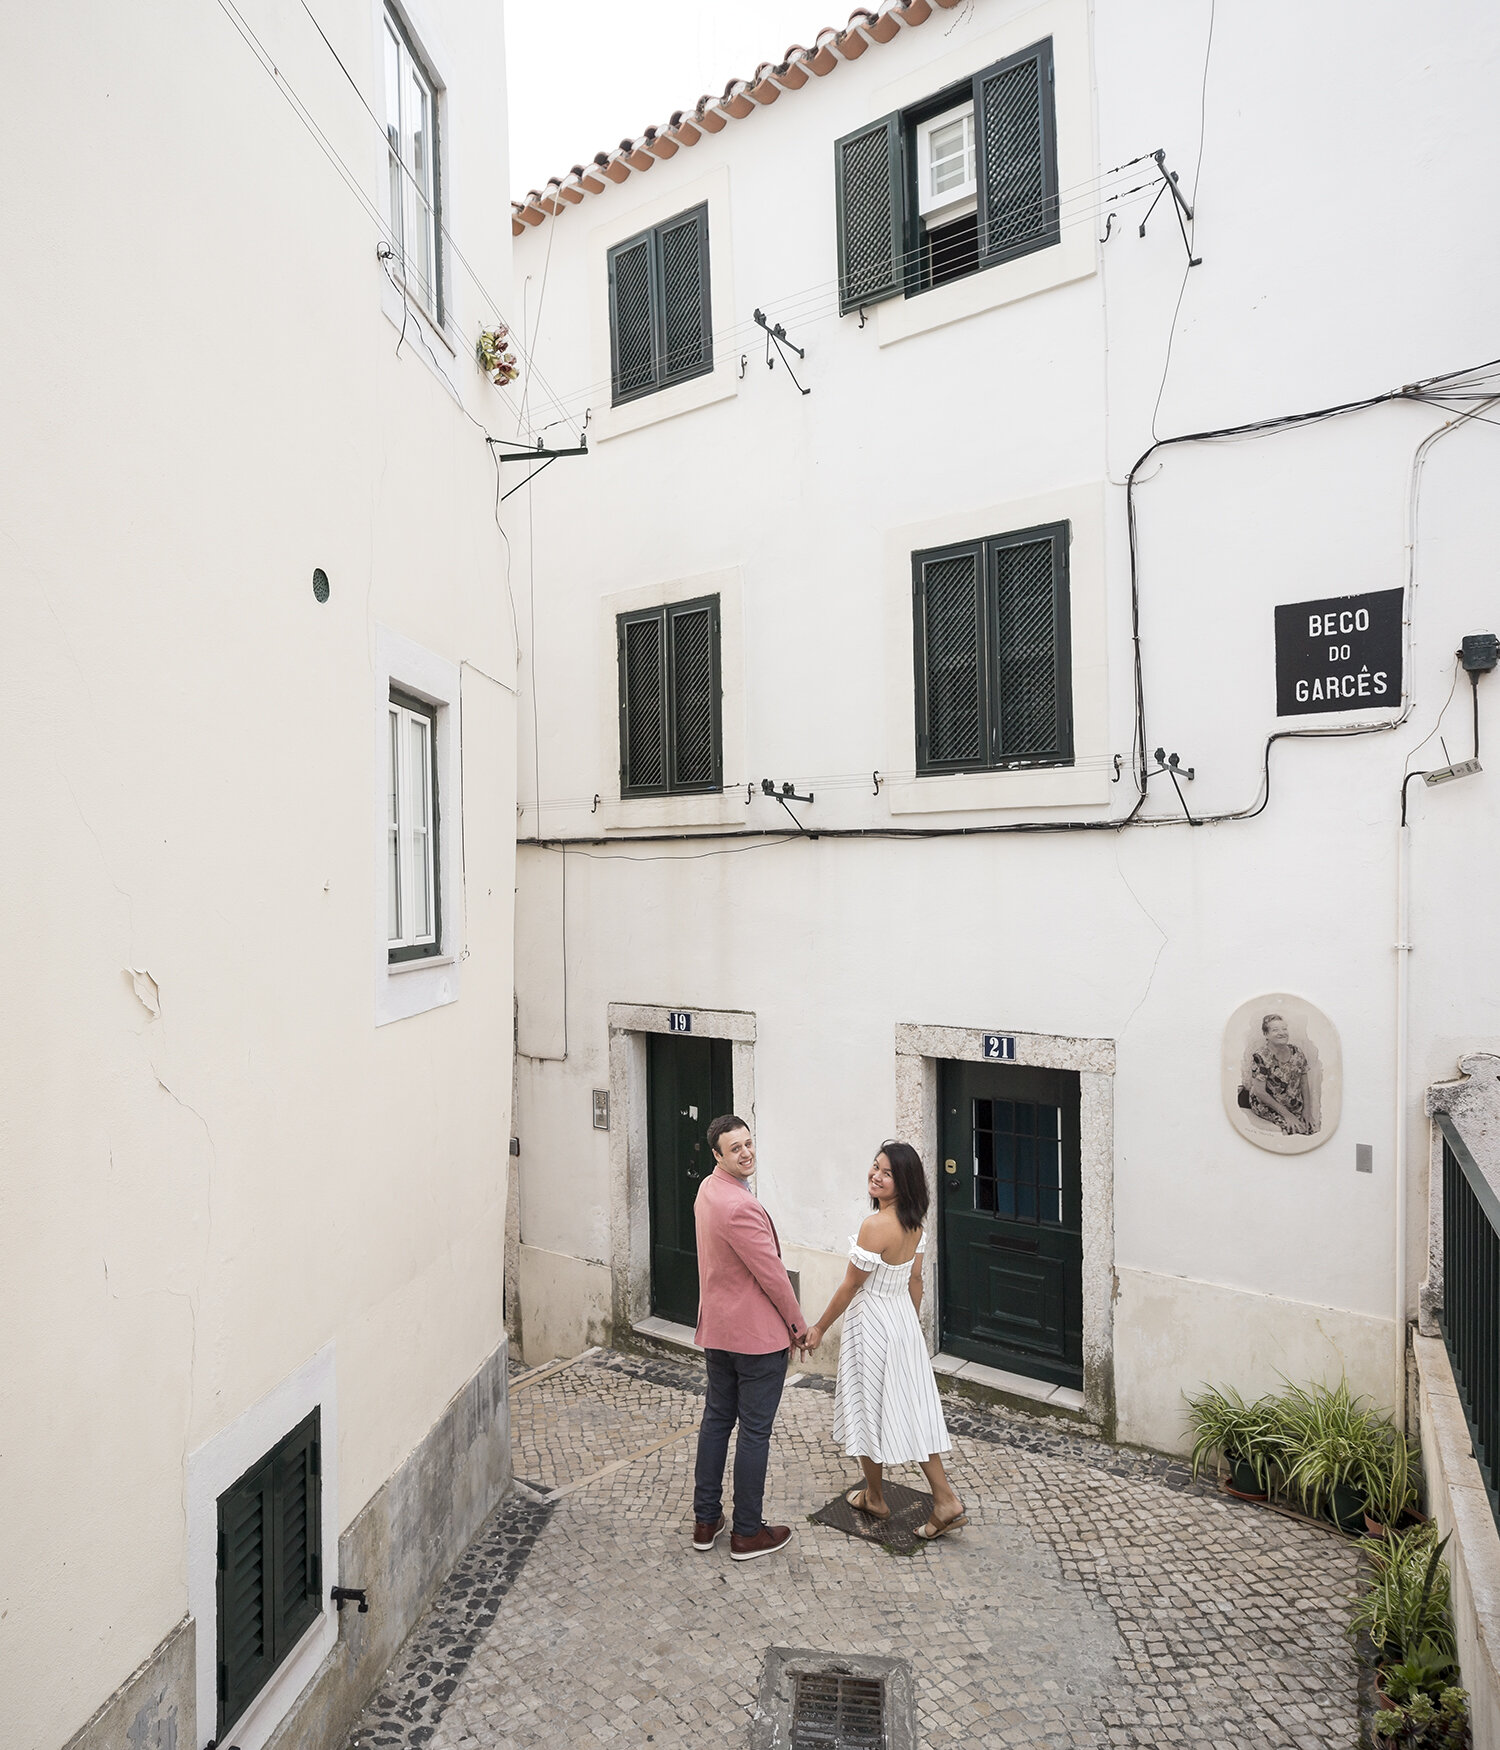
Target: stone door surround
[{"x": 919, "y": 1050}]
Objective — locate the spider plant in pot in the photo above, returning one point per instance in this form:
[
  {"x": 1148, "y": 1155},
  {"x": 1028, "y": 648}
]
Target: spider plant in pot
[
  {"x": 1405, "y": 1608},
  {"x": 1246, "y": 1436},
  {"x": 1332, "y": 1442},
  {"x": 1390, "y": 1483}
]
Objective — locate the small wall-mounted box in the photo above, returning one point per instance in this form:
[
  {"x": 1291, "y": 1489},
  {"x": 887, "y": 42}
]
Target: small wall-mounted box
[{"x": 601, "y": 1108}]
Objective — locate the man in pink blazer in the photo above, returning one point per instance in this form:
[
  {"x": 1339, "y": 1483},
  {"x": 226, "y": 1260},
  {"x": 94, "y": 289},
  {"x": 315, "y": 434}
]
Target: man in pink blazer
[{"x": 748, "y": 1318}]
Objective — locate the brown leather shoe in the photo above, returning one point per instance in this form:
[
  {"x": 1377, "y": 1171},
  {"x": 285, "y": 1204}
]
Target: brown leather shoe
[
  {"x": 706, "y": 1536},
  {"x": 764, "y": 1542}
]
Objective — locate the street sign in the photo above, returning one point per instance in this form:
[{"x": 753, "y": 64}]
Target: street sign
[{"x": 1342, "y": 653}]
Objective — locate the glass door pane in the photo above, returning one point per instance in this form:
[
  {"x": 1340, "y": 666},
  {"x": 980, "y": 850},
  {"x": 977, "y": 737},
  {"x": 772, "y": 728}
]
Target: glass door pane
[{"x": 393, "y": 835}]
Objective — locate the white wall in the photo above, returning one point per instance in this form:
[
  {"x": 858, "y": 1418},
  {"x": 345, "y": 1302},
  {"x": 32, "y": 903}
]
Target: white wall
[
  {"x": 1341, "y": 257},
  {"x": 203, "y": 402}
]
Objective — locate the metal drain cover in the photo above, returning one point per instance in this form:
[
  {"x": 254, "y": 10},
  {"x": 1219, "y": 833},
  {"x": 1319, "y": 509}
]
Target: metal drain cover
[
  {"x": 833, "y": 1712},
  {"x": 811, "y": 1700}
]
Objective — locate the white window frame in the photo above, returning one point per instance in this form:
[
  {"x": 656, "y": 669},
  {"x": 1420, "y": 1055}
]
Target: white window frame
[
  {"x": 414, "y": 820},
  {"x": 414, "y": 198},
  {"x": 410, "y": 986},
  {"x": 950, "y": 203}
]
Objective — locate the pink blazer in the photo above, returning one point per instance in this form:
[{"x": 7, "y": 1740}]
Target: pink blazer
[{"x": 745, "y": 1299}]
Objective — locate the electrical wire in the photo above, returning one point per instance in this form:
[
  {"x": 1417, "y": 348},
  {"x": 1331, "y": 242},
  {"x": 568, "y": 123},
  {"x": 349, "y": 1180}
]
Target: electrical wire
[
  {"x": 1425, "y": 391},
  {"x": 1192, "y": 235}
]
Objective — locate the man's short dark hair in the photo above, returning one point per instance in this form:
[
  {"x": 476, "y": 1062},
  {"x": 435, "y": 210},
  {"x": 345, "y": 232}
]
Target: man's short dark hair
[{"x": 722, "y": 1126}]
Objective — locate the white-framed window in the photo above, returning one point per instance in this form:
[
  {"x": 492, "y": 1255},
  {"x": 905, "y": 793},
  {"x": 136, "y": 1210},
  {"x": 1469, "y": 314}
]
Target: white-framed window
[
  {"x": 947, "y": 170},
  {"x": 413, "y": 925},
  {"x": 411, "y": 126}
]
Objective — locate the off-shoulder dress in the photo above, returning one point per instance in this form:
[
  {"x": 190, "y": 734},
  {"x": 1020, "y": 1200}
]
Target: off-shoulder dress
[{"x": 885, "y": 1400}]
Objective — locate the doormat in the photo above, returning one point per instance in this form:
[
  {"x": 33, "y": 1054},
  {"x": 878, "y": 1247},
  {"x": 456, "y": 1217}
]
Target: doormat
[{"x": 898, "y": 1534}]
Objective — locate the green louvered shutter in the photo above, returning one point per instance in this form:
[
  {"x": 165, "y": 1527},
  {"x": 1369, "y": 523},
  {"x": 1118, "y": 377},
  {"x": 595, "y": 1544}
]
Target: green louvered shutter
[
  {"x": 297, "y": 1525},
  {"x": 1033, "y": 683},
  {"x": 686, "y": 328},
  {"x": 869, "y": 179},
  {"x": 693, "y": 649},
  {"x": 246, "y": 1635},
  {"x": 270, "y": 1582},
  {"x": 631, "y": 325},
  {"x": 953, "y": 728},
  {"x": 1015, "y": 133},
  {"x": 643, "y": 704}
]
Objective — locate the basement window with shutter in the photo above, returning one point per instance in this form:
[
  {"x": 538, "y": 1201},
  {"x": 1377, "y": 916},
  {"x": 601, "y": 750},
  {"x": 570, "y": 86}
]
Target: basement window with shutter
[
  {"x": 962, "y": 181},
  {"x": 670, "y": 737},
  {"x": 993, "y": 657},
  {"x": 270, "y": 1583},
  {"x": 660, "y": 328}
]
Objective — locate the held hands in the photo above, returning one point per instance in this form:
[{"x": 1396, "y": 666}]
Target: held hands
[{"x": 809, "y": 1341}]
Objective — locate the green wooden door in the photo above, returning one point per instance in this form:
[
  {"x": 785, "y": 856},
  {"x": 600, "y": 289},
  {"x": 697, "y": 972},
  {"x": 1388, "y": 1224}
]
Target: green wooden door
[
  {"x": 689, "y": 1083},
  {"x": 1011, "y": 1219}
]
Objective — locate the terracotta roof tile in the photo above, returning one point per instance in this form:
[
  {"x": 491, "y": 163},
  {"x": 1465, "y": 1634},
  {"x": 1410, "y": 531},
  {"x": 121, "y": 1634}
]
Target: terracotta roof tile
[{"x": 740, "y": 98}]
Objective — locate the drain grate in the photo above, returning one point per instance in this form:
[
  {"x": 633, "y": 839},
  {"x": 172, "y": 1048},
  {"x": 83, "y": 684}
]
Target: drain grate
[{"x": 833, "y": 1711}]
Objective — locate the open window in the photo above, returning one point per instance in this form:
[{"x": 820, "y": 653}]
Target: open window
[{"x": 965, "y": 180}]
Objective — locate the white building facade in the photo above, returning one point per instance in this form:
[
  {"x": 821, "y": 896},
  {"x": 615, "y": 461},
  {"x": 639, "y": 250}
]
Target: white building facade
[
  {"x": 260, "y": 700},
  {"x": 1160, "y": 1035}
]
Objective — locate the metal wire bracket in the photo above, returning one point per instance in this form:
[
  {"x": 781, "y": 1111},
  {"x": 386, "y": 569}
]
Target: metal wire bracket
[
  {"x": 538, "y": 453},
  {"x": 1179, "y": 205},
  {"x": 783, "y": 345}
]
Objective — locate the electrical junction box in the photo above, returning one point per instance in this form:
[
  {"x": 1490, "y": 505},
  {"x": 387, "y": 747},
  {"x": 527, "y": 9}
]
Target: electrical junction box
[{"x": 1480, "y": 652}]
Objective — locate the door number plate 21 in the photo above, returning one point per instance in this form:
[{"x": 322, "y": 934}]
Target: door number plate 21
[{"x": 999, "y": 1048}]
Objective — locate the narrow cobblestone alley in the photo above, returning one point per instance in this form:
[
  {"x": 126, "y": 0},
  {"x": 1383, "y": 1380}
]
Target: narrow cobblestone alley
[{"x": 1097, "y": 1598}]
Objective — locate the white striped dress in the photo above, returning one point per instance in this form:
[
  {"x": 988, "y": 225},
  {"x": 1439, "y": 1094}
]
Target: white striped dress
[{"x": 885, "y": 1400}]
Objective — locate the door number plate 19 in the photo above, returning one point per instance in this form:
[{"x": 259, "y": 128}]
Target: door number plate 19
[
  {"x": 679, "y": 1021},
  {"x": 999, "y": 1048}
]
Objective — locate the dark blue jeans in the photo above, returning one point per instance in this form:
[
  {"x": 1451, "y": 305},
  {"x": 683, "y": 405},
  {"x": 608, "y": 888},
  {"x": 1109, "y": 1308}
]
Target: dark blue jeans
[{"x": 744, "y": 1389}]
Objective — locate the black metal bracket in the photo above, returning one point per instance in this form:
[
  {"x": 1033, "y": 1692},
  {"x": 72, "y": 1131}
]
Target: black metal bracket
[
  {"x": 1172, "y": 765},
  {"x": 1179, "y": 205},
  {"x": 342, "y": 1595},
  {"x": 786, "y": 794},
  {"x": 777, "y": 335},
  {"x": 533, "y": 453}
]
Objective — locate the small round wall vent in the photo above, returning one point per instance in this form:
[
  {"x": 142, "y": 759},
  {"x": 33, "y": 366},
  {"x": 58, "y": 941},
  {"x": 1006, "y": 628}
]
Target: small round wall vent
[{"x": 320, "y": 585}]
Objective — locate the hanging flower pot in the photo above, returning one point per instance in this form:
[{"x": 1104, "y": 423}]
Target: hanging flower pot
[{"x": 495, "y": 358}]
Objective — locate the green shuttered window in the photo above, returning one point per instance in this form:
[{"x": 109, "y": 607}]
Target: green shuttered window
[
  {"x": 270, "y": 1587},
  {"x": 660, "y": 327},
  {"x": 669, "y": 700},
  {"x": 909, "y": 215},
  {"x": 993, "y": 660}
]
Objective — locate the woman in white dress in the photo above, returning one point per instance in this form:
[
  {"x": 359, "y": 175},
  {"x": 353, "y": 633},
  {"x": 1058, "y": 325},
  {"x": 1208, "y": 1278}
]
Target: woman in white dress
[{"x": 885, "y": 1402}]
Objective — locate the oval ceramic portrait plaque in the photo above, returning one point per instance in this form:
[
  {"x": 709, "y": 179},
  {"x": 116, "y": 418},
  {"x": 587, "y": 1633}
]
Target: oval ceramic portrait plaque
[{"x": 1283, "y": 1074}]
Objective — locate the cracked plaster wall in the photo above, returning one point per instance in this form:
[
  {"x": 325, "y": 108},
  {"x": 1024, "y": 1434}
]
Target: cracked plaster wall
[{"x": 214, "y": 1163}]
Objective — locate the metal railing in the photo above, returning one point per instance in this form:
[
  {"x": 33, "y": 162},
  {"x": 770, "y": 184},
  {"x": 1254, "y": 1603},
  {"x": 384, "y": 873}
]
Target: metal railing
[{"x": 1470, "y": 1319}]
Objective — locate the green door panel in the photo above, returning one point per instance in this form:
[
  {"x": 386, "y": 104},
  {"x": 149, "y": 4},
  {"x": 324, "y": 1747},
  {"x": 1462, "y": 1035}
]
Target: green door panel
[
  {"x": 1011, "y": 1219},
  {"x": 689, "y": 1083}
]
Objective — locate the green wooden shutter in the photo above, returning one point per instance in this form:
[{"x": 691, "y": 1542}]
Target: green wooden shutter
[
  {"x": 1015, "y": 133},
  {"x": 693, "y": 653},
  {"x": 643, "y": 698},
  {"x": 631, "y": 322},
  {"x": 869, "y": 182},
  {"x": 953, "y": 714},
  {"x": 1033, "y": 680},
  {"x": 246, "y": 1634},
  {"x": 686, "y": 326},
  {"x": 297, "y": 1525}
]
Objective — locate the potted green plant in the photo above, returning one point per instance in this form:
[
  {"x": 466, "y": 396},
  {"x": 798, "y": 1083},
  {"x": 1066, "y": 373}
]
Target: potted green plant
[
  {"x": 1246, "y": 1436},
  {"x": 1405, "y": 1611},
  {"x": 1389, "y": 1484},
  {"x": 1426, "y": 1723},
  {"x": 1333, "y": 1441}
]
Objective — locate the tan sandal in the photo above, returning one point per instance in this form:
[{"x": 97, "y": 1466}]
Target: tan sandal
[
  {"x": 858, "y": 1499},
  {"x": 934, "y": 1528}
]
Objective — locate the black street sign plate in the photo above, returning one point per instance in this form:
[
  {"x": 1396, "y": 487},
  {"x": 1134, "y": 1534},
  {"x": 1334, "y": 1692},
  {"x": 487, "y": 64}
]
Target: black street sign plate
[{"x": 1339, "y": 654}]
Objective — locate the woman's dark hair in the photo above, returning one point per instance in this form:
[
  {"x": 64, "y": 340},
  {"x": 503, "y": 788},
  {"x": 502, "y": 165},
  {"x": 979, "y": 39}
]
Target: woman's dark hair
[{"x": 910, "y": 1182}]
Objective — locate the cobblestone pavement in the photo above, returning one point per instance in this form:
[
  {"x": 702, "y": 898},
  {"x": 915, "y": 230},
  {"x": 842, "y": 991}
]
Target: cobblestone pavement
[{"x": 1097, "y": 1598}]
